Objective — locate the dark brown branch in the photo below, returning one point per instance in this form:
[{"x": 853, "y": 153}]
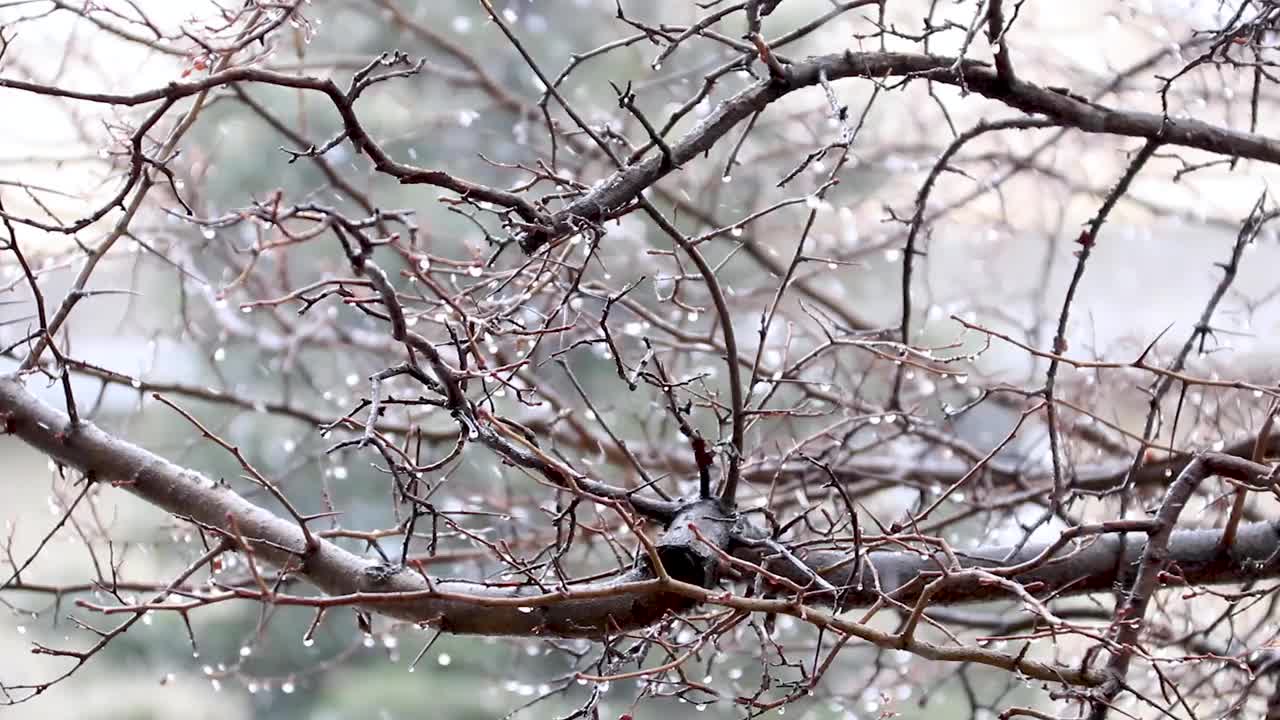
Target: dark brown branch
[
  {"x": 618, "y": 190},
  {"x": 407, "y": 174},
  {"x": 589, "y": 610},
  {"x": 627, "y": 601}
]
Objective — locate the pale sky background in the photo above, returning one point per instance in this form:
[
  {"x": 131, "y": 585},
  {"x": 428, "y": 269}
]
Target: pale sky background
[{"x": 1142, "y": 278}]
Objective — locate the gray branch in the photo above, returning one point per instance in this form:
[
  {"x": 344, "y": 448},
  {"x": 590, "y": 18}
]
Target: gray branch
[
  {"x": 627, "y": 601},
  {"x": 615, "y": 193}
]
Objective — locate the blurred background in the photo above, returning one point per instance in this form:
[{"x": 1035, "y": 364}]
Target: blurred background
[{"x": 1003, "y": 258}]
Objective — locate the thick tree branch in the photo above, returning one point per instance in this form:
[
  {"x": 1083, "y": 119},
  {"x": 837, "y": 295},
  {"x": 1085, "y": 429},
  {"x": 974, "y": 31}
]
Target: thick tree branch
[
  {"x": 591, "y": 610},
  {"x": 617, "y": 191},
  {"x": 630, "y": 600},
  {"x": 1094, "y": 564}
]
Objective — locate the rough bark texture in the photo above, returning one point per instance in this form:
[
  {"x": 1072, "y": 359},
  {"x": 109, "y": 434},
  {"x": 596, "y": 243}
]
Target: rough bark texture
[
  {"x": 609, "y": 607},
  {"x": 1196, "y": 554},
  {"x": 620, "y": 189},
  {"x": 456, "y": 606}
]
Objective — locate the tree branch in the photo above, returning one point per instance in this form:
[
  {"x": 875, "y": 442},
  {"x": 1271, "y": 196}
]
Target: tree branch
[
  {"x": 632, "y": 599},
  {"x": 615, "y": 193}
]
